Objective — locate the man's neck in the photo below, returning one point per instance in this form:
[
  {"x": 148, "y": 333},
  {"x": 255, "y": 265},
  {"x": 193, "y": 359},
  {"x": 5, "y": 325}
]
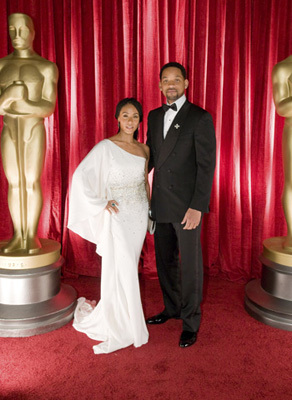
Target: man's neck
[
  {"x": 181, "y": 99},
  {"x": 179, "y": 102}
]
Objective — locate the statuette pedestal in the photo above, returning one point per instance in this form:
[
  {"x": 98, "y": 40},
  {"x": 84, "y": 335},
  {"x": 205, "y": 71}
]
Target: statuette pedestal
[
  {"x": 32, "y": 298},
  {"x": 269, "y": 299}
]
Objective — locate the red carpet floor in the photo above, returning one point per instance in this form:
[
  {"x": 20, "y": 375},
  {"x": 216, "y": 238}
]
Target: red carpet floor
[{"x": 235, "y": 357}]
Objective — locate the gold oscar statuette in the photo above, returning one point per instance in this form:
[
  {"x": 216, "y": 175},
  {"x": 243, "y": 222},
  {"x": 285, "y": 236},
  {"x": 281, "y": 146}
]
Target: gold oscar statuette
[
  {"x": 279, "y": 249},
  {"x": 269, "y": 299},
  {"x": 33, "y": 300},
  {"x": 28, "y": 89}
]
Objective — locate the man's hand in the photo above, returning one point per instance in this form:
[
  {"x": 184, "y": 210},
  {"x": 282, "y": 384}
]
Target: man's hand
[{"x": 191, "y": 219}]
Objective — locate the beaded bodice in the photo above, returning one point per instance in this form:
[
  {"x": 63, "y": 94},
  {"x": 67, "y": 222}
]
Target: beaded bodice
[{"x": 126, "y": 180}]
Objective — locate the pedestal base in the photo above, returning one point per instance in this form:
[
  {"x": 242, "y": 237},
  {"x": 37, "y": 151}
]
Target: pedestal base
[
  {"x": 33, "y": 301},
  {"x": 269, "y": 300},
  {"x": 37, "y": 318}
]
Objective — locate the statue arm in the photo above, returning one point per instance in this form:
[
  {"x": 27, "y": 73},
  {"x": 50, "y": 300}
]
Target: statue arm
[
  {"x": 281, "y": 91},
  {"x": 46, "y": 105},
  {"x": 4, "y": 101},
  {"x": 9, "y": 94}
]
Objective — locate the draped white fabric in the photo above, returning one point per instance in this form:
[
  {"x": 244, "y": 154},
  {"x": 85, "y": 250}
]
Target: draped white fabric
[{"x": 111, "y": 173}]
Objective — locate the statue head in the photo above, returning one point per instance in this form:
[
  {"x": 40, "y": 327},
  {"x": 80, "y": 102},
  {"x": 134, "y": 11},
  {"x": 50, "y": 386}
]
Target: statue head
[{"x": 21, "y": 31}]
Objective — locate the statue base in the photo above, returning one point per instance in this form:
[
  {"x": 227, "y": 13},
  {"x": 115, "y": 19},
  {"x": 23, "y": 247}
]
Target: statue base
[
  {"x": 48, "y": 254},
  {"x": 33, "y": 300},
  {"x": 273, "y": 250},
  {"x": 269, "y": 299}
]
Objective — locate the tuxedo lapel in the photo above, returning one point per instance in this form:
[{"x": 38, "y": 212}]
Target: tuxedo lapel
[
  {"x": 159, "y": 128},
  {"x": 172, "y": 135}
]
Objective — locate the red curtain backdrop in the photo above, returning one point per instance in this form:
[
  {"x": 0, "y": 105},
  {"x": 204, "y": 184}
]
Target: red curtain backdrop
[{"x": 109, "y": 49}]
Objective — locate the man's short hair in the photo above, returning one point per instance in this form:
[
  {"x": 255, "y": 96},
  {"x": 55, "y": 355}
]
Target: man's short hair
[{"x": 176, "y": 65}]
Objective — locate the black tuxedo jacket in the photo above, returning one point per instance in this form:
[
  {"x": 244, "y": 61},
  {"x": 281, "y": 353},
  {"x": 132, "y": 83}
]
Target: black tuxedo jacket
[{"x": 183, "y": 162}]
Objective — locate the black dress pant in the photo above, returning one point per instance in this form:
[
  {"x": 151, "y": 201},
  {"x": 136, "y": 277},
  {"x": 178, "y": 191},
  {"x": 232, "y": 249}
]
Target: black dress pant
[{"x": 180, "y": 271}]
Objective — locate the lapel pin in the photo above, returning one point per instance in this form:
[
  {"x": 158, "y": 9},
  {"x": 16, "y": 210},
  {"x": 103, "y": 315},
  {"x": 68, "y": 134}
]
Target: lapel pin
[{"x": 176, "y": 126}]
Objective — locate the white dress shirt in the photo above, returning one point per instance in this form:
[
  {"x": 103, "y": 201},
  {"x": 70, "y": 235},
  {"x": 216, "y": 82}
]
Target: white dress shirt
[{"x": 170, "y": 114}]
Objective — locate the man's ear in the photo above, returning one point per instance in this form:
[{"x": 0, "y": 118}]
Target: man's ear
[
  {"x": 160, "y": 87},
  {"x": 186, "y": 83}
]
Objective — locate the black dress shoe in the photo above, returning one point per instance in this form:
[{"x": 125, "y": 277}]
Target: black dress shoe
[
  {"x": 157, "y": 319},
  {"x": 187, "y": 338}
]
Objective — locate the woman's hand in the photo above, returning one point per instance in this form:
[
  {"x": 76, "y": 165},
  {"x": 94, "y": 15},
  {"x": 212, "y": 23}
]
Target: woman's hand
[{"x": 112, "y": 206}]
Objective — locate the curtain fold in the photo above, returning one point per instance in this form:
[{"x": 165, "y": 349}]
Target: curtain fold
[{"x": 109, "y": 49}]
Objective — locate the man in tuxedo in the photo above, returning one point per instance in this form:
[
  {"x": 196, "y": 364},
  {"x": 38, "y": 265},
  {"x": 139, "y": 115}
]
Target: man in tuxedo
[{"x": 182, "y": 145}]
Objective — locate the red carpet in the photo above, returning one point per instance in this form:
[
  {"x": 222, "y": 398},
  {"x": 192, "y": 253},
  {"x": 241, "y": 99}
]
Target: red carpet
[{"x": 235, "y": 357}]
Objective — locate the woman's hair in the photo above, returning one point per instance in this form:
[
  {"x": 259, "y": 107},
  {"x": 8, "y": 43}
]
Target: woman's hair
[{"x": 136, "y": 104}]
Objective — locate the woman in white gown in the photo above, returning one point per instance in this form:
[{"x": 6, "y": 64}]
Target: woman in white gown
[{"x": 109, "y": 206}]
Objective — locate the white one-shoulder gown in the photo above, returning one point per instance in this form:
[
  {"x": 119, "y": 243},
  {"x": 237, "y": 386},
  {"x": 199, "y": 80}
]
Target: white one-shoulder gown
[{"x": 109, "y": 172}]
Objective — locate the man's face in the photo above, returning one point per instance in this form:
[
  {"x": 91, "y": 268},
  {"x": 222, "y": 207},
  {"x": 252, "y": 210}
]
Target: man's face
[
  {"x": 21, "y": 32},
  {"x": 173, "y": 84}
]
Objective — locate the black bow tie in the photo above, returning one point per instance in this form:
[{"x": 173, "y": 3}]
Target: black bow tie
[{"x": 166, "y": 107}]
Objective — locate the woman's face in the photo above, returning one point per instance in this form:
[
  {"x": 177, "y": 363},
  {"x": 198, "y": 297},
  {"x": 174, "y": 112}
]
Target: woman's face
[{"x": 128, "y": 119}]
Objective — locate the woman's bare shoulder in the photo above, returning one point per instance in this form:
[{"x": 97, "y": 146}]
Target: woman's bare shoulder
[
  {"x": 145, "y": 149},
  {"x": 112, "y": 138}
]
